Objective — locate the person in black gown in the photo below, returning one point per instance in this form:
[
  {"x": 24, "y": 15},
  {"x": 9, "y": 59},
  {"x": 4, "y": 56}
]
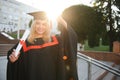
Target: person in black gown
[{"x": 44, "y": 56}]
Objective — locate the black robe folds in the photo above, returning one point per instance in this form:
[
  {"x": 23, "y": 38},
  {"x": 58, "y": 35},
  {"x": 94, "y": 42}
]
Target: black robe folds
[{"x": 44, "y": 61}]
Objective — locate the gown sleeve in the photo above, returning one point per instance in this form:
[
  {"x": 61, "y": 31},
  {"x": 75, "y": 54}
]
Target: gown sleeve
[
  {"x": 14, "y": 69},
  {"x": 69, "y": 45},
  {"x": 10, "y": 65}
]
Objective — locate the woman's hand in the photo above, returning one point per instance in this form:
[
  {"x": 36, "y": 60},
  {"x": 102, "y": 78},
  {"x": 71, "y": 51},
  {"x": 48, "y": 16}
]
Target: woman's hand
[
  {"x": 12, "y": 57},
  {"x": 62, "y": 21}
]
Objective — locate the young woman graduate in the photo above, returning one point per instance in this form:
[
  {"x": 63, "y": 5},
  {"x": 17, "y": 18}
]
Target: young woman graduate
[{"x": 44, "y": 56}]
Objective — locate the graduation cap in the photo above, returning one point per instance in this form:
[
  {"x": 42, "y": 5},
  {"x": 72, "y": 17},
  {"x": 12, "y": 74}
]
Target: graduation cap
[{"x": 39, "y": 15}]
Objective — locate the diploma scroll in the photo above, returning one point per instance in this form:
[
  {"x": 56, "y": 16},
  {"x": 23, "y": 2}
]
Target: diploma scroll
[{"x": 24, "y": 37}]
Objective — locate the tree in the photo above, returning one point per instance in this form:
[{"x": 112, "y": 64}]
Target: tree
[
  {"x": 110, "y": 18},
  {"x": 117, "y": 4},
  {"x": 86, "y": 22}
]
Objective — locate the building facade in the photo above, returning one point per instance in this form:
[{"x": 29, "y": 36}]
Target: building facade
[{"x": 13, "y": 16}]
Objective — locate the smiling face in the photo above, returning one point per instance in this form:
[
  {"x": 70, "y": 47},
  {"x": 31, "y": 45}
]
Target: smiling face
[{"x": 41, "y": 26}]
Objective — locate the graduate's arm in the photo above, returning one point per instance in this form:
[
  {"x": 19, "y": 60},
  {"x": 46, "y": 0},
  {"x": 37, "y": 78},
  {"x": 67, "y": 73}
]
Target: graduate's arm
[
  {"x": 67, "y": 33},
  {"x": 11, "y": 54},
  {"x": 69, "y": 37}
]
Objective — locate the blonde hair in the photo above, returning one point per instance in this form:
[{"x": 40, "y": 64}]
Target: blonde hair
[{"x": 46, "y": 35}]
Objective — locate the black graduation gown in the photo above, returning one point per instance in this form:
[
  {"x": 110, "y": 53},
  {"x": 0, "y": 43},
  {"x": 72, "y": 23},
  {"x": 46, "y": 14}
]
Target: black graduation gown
[
  {"x": 69, "y": 45},
  {"x": 37, "y": 62},
  {"x": 47, "y": 63}
]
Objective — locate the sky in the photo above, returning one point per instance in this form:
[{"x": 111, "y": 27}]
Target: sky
[{"x": 54, "y": 6}]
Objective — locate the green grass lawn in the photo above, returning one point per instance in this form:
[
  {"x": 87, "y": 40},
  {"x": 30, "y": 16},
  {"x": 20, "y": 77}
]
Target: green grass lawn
[{"x": 99, "y": 48}]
